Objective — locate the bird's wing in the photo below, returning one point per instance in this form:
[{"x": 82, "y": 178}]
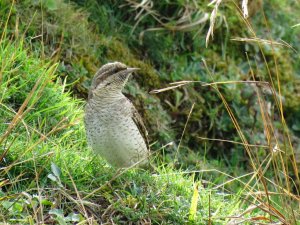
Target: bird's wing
[{"x": 137, "y": 119}]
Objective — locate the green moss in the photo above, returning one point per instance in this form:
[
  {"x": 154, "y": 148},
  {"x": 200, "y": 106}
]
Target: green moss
[
  {"x": 69, "y": 39},
  {"x": 118, "y": 51}
]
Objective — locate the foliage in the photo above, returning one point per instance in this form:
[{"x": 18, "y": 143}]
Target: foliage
[
  {"x": 122, "y": 31},
  {"x": 68, "y": 38},
  {"x": 162, "y": 33},
  {"x": 48, "y": 174}
]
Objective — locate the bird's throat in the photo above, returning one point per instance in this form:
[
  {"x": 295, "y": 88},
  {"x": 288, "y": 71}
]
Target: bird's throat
[{"x": 106, "y": 97}]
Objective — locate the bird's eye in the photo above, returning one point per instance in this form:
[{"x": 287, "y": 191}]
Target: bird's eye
[
  {"x": 118, "y": 69},
  {"x": 115, "y": 70},
  {"x": 109, "y": 83}
]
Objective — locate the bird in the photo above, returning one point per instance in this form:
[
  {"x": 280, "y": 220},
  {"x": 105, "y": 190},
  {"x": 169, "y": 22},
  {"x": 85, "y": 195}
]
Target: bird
[{"x": 114, "y": 128}]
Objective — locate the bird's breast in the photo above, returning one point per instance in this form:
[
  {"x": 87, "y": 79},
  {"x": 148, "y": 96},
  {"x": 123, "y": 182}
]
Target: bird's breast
[{"x": 112, "y": 133}]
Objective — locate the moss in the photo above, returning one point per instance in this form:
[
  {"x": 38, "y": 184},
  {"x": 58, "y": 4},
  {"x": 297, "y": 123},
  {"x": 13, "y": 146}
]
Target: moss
[{"x": 118, "y": 51}]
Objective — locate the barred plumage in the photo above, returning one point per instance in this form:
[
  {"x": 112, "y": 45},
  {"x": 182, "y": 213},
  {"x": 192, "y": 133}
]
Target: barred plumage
[{"x": 114, "y": 128}]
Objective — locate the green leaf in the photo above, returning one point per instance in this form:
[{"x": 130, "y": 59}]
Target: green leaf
[
  {"x": 51, "y": 4},
  {"x": 46, "y": 202},
  {"x": 6, "y": 204},
  {"x": 55, "y": 170},
  {"x": 59, "y": 216},
  {"x": 52, "y": 177},
  {"x": 18, "y": 207},
  {"x": 73, "y": 217},
  {"x": 56, "y": 212},
  {"x": 296, "y": 126},
  {"x": 194, "y": 203}
]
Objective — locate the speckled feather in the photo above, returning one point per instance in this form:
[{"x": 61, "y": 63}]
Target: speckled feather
[{"x": 114, "y": 128}]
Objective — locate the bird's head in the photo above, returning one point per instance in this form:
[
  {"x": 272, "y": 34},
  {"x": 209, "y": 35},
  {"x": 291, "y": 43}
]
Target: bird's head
[{"x": 110, "y": 78}]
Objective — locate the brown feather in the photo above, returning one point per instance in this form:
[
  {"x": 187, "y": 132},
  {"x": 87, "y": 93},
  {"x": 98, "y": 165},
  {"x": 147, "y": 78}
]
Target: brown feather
[{"x": 137, "y": 119}]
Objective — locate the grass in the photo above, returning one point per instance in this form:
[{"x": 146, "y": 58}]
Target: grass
[
  {"x": 49, "y": 178},
  {"x": 48, "y": 174}
]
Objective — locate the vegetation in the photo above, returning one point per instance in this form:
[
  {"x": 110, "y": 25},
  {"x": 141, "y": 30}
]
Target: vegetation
[{"x": 225, "y": 135}]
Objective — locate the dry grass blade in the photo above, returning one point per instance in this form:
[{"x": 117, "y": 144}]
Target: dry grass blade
[
  {"x": 177, "y": 84},
  {"x": 260, "y": 169},
  {"x": 187, "y": 26},
  {"x": 145, "y": 5},
  {"x": 266, "y": 208},
  {"x": 245, "y": 8},
  {"x": 213, "y": 16},
  {"x": 236, "y": 82},
  {"x": 184, "y": 129},
  {"x": 190, "y": 17},
  {"x": 7, "y": 149},
  {"x": 80, "y": 205},
  {"x": 280, "y": 163},
  {"x": 185, "y": 82},
  {"x": 20, "y": 113},
  {"x": 166, "y": 89},
  {"x": 60, "y": 126},
  {"x": 7, "y": 168},
  {"x": 89, "y": 219},
  {"x": 6, "y": 22},
  {"x": 264, "y": 41},
  {"x": 296, "y": 25},
  {"x": 234, "y": 142},
  {"x": 284, "y": 192}
]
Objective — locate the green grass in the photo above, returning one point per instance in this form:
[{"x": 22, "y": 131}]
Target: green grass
[
  {"x": 47, "y": 170},
  {"x": 49, "y": 174}
]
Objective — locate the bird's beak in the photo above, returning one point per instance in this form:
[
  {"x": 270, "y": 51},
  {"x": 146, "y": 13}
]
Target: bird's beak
[
  {"x": 130, "y": 70},
  {"x": 124, "y": 74}
]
